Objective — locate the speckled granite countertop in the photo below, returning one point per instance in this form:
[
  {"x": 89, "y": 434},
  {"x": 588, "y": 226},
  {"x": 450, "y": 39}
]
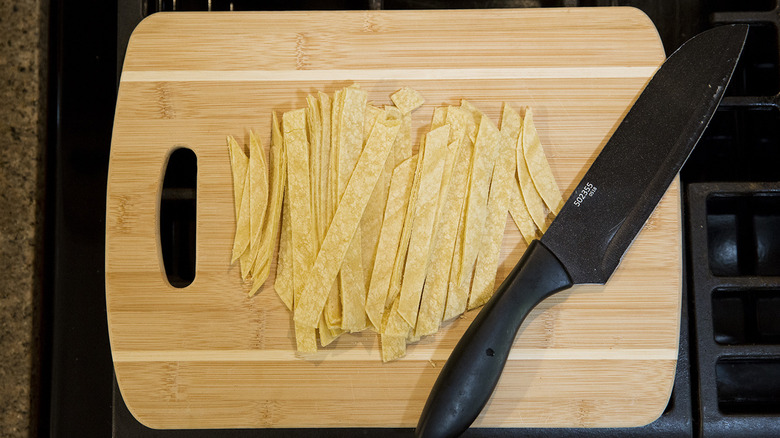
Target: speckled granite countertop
[{"x": 23, "y": 33}]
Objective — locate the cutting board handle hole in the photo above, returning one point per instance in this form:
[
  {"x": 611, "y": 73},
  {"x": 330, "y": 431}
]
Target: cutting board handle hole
[{"x": 178, "y": 202}]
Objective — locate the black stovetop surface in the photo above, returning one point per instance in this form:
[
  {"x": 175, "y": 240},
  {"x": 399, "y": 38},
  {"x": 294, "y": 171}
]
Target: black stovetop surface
[{"x": 728, "y": 375}]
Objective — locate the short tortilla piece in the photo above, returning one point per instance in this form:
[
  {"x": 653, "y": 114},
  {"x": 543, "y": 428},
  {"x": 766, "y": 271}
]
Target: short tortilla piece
[
  {"x": 533, "y": 201},
  {"x": 392, "y": 225},
  {"x": 423, "y": 223},
  {"x": 302, "y": 223},
  {"x": 485, "y": 150},
  {"x": 437, "y": 278},
  {"x": 344, "y": 225},
  {"x": 278, "y": 163},
  {"x": 407, "y": 99},
  {"x": 495, "y": 224},
  {"x": 239, "y": 163},
  {"x": 538, "y": 166}
]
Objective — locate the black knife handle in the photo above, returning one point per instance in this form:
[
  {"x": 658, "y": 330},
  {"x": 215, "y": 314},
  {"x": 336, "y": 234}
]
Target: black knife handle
[{"x": 467, "y": 380}]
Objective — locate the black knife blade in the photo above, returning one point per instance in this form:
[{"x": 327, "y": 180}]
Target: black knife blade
[{"x": 596, "y": 225}]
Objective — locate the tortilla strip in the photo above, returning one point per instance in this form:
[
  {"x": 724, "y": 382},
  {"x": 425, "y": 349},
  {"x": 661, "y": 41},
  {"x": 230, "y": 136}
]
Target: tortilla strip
[
  {"x": 495, "y": 224},
  {"x": 371, "y": 223},
  {"x": 539, "y": 168},
  {"x": 301, "y": 221},
  {"x": 323, "y": 213},
  {"x": 437, "y": 278},
  {"x": 314, "y": 131},
  {"x": 258, "y": 200},
  {"x": 243, "y": 226},
  {"x": 352, "y": 277},
  {"x": 305, "y": 339},
  {"x": 534, "y": 202},
  {"x": 423, "y": 223},
  {"x": 393, "y": 346},
  {"x": 239, "y": 163},
  {"x": 519, "y": 212},
  {"x": 273, "y": 216},
  {"x": 512, "y": 126},
  {"x": 485, "y": 149},
  {"x": 473, "y": 123},
  {"x": 345, "y": 224},
  {"x": 284, "y": 262},
  {"x": 332, "y": 310},
  {"x": 392, "y": 225},
  {"x": 439, "y": 117}
]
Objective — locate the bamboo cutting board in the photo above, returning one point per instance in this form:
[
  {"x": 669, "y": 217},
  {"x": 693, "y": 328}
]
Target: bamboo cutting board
[{"x": 206, "y": 356}]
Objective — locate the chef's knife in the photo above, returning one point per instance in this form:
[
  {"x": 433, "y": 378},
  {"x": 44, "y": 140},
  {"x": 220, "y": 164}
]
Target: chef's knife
[{"x": 586, "y": 241}]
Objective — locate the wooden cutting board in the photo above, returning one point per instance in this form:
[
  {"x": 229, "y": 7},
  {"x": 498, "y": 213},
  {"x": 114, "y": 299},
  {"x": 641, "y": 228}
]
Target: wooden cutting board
[{"x": 206, "y": 356}]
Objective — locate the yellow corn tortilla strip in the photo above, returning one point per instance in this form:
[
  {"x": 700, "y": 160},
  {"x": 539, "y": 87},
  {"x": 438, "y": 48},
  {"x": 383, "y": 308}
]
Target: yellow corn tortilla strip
[
  {"x": 323, "y": 213},
  {"x": 332, "y": 310},
  {"x": 373, "y": 114},
  {"x": 393, "y": 113},
  {"x": 511, "y": 126},
  {"x": 407, "y": 99},
  {"x": 314, "y": 131},
  {"x": 305, "y": 339},
  {"x": 396, "y": 325},
  {"x": 284, "y": 262},
  {"x": 434, "y": 297},
  {"x": 353, "y": 288},
  {"x": 258, "y": 199},
  {"x": 327, "y": 336},
  {"x": 403, "y": 245},
  {"x": 485, "y": 150},
  {"x": 495, "y": 224},
  {"x": 472, "y": 124},
  {"x": 423, "y": 223},
  {"x": 344, "y": 225},
  {"x": 371, "y": 224},
  {"x": 392, "y": 225},
  {"x": 278, "y": 161},
  {"x": 239, "y": 163},
  {"x": 439, "y": 117},
  {"x": 352, "y": 278},
  {"x": 243, "y": 227},
  {"x": 533, "y": 201},
  {"x": 302, "y": 223},
  {"x": 519, "y": 212},
  {"x": 538, "y": 166},
  {"x": 393, "y": 346}
]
